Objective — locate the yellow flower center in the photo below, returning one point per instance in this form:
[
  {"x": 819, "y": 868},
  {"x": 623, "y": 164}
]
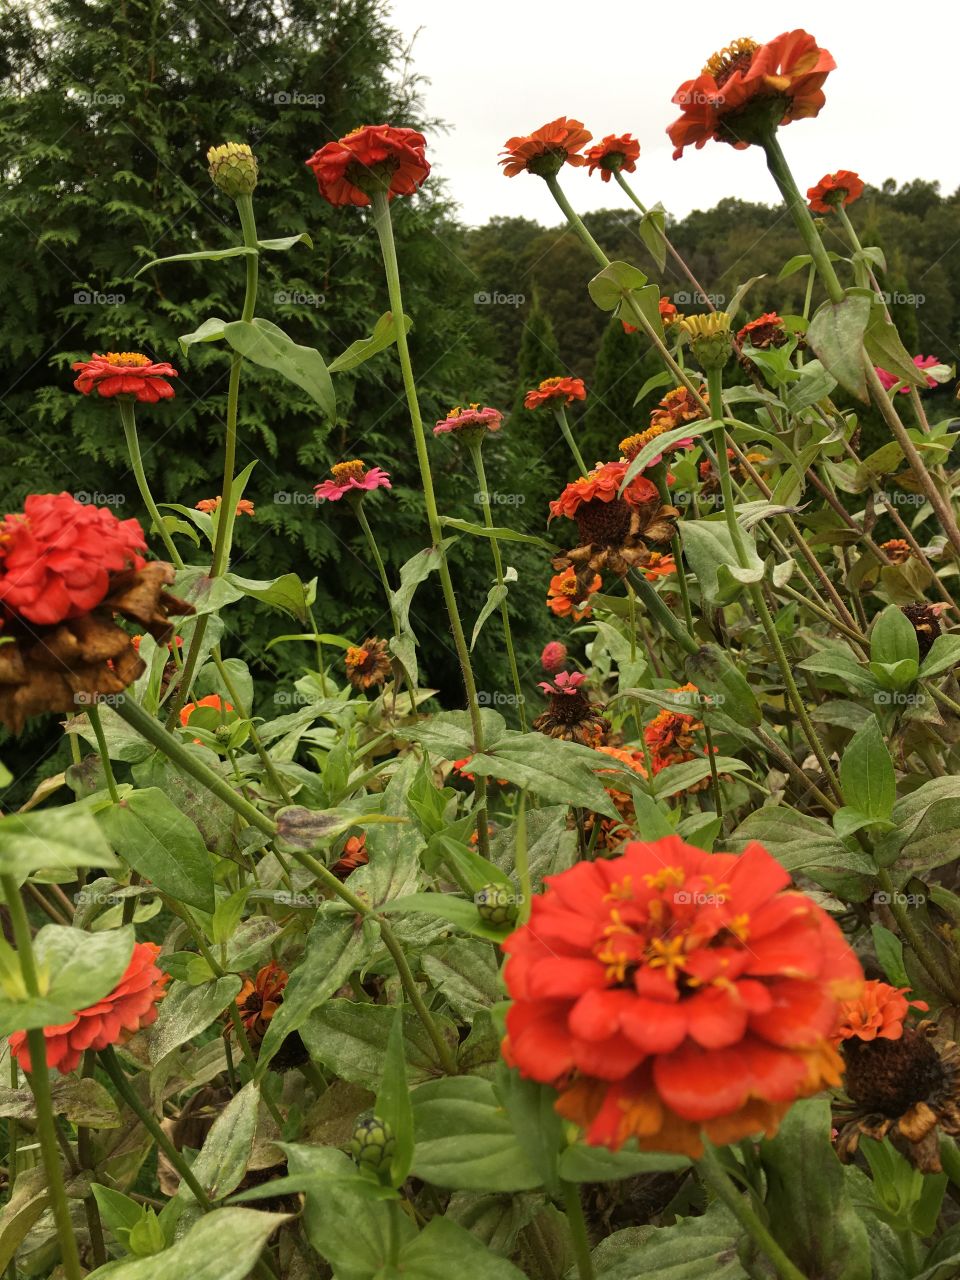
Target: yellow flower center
[
  {"x": 737, "y": 56},
  {"x": 706, "y": 326},
  {"x": 353, "y": 470},
  {"x": 547, "y": 383},
  {"x": 356, "y": 656},
  {"x": 631, "y": 445},
  {"x": 127, "y": 359}
]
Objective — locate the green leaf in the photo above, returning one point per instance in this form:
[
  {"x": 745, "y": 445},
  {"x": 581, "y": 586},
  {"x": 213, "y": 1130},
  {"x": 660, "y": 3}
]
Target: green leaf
[
  {"x": 280, "y": 243},
  {"x": 500, "y": 532},
  {"x": 883, "y": 346},
  {"x": 538, "y": 1127},
  {"x": 656, "y": 446},
  {"x": 81, "y": 1101},
  {"x": 223, "y": 1245},
  {"x": 465, "y": 1140},
  {"x": 718, "y": 677},
  {"x": 267, "y": 345},
  {"x": 580, "y": 1163},
  {"x": 808, "y": 846},
  {"x": 678, "y": 777},
  {"x": 28, "y": 1201},
  {"x": 393, "y": 1102},
  {"x": 794, "y": 264},
  {"x": 351, "y": 1041},
  {"x": 53, "y": 839},
  {"x": 288, "y": 592},
  {"x": 212, "y": 330},
  {"x": 384, "y": 335},
  {"x": 465, "y": 973},
  {"x": 944, "y": 655},
  {"x": 836, "y": 334},
  {"x": 443, "y": 1248},
  {"x": 495, "y": 597},
  {"x": 714, "y": 561},
  {"x": 610, "y": 286},
  {"x": 449, "y": 734},
  {"x": 162, "y": 844},
  {"x": 652, "y": 234},
  {"x": 76, "y": 969},
  {"x": 893, "y": 638},
  {"x": 889, "y": 951},
  {"x": 867, "y": 776},
  {"x": 704, "y": 1247},
  {"x": 201, "y": 255},
  {"x": 552, "y": 768},
  {"x": 186, "y": 1011},
  {"x": 736, "y": 302},
  {"x": 227, "y": 1148},
  {"x": 445, "y": 906}
]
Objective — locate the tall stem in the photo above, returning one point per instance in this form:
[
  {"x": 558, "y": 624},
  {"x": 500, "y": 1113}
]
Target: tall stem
[
  {"x": 93, "y": 715},
  {"x": 40, "y": 1086},
  {"x": 668, "y": 243},
  {"x": 476, "y": 452},
  {"x": 129, "y": 421},
  {"x": 388, "y": 248},
  {"x": 578, "y": 1230},
  {"x": 567, "y": 434},
  {"x": 378, "y": 561}
]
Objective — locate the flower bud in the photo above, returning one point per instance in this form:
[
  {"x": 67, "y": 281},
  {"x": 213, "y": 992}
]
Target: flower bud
[
  {"x": 710, "y": 338},
  {"x": 222, "y": 732},
  {"x": 233, "y": 168},
  {"x": 373, "y": 1143},
  {"x": 495, "y": 904},
  {"x": 553, "y": 657}
]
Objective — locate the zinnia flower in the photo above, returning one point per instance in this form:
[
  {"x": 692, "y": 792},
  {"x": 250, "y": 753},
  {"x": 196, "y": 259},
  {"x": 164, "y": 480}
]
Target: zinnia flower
[
  {"x": 833, "y": 189},
  {"x": 354, "y": 855},
  {"x": 132, "y": 1004},
  {"x": 554, "y": 656},
  {"x": 632, "y": 445},
  {"x": 259, "y": 1000},
  {"x": 897, "y": 550},
  {"x": 764, "y": 332},
  {"x": 660, "y": 565},
  {"x": 371, "y": 158},
  {"x": 367, "y": 664},
  {"x": 877, "y": 1012},
  {"x": 614, "y": 153},
  {"x": 747, "y": 87},
  {"x": 890, "y": 379},
  {"x": 475, "y": 416},
  {"x": 613, "y": 833},
  {"x": 670, "y": 736},
  {"x": 244, "y": 507},
  {"x": 565, "y": 389},
  {"x": 125, "y": 373},
  {"x": 212, "y": 700},
  {"x": 677, "y": 408},
  {"x": 348, "y": 477},
  {"x": 566, "y": 593},
  {"x": 571, "y": 714},
  {"x": 601, "y": 486},
  {"x": 57, "y": 557},
  {"x": 925, "y": 619},
  {"x": 670, "y": 993},
  {"x": 546, "y": 150}
]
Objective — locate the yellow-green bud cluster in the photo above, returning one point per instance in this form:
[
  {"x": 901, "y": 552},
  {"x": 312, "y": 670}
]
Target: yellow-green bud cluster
[{"x": 233, "y": 168}]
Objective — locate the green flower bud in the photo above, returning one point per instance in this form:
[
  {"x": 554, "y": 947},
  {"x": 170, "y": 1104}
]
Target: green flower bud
[
  {"x": 233, "y": 168},
  {"x": 711, "y": 339},
  {"x": 373, "y": 1143},
  {"x": 496, "y": 904},
  {"x": 222, "y": 733}
]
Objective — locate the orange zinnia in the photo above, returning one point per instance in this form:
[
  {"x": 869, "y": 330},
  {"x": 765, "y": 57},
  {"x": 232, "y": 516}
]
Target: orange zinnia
[
  {"x": 353, "y": 855},
  {"x": 208, "y": 505},
  {"x": 602, "y": 485},
  {"x": 614, "y": 153},
  {"x": 833, "y": 189},
  {"x": 565, "y": 595},
  {"x": 877, "y": 1013},
  {"x": 565, "y": 389},
  {"x": 747, "y": 87},
  {"x": 546, "y": 150},
  {"x": 763, "y": 332},
  {"x": 659, "y": 566},
  {"x": 671, "y": 993},
  {"x": 376, "y": 156}
]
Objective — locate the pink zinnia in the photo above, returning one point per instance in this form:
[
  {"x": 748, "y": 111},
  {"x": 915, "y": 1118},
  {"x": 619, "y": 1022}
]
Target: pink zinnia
[
  {"x": 568, "y": 682},
  {"x": 553, "y": 657},
  {"x": 349, "y": 477},
  {"x": 474, "y": 415},
  {"x": 890, "y": 380}
]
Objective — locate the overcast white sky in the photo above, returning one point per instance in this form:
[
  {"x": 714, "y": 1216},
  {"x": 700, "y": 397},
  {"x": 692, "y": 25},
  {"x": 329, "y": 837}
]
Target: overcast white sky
[{"x": 504, "y": 67}]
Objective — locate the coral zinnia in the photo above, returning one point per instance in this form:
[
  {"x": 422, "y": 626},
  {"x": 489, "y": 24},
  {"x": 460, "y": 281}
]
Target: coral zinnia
[
  {"x": 877, "y": 1012},
  {"x": 349, "y": 477},
  {"x": 480, "y": 417},
  {"x": 670, "y": 993},
  {"x": 747, "y": 88},
  {"x": 546, "y": 150},
  {"x": 833, "y": 189},
  {"x": 353, "y": 855},
  {"x": 374, "y": 157},
  {"x": 669, "y": 735},
  {"x": 567, "y": 593},
  {"x": 208, "y": 505},
  {"x": 564, "y": 389},
  {"x": 678, "y": 407},
  {"x": 211, "y": 700},
  {"x": 764, "y": 332},
  {"x": 367, "y": 664},
  {"x": 601, "y": 486},
  {"x": 890, "y": 379},
  {"x": 57, "y": 557},
  {"x": 259, "y": 1000},
  {"x": 132, "y": 1004},
  {"x": 898, "y": 550},
  {"x": 125, "y": 373},
  {"x": 659, "y": 565},
  {"x": 615, "y": 152},
  {"x": 571, "y": 714}
]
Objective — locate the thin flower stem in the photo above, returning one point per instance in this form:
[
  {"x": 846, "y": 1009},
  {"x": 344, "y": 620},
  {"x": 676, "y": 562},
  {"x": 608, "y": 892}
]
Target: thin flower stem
[
  {"x": 93, "y": 715},
  {"x": 522, "y": 861},
  {"x": 378, "y": 561},
  {"x": 40, "y": 1086},
  {"x": 564, "y": 425},
  {"x": 901, "y": 913},
  {"x": 856, "y": 636},
  {"x": 668, "y": 243},
  {"x": 268, "y": 765},
  {"x": 578, "y": 1230},
  {"x": 129, "y": 421},
  {"x": 384, "y": 229},
  {"x": 716, "y": 1177},
  {"x": 476, "y": 452},
  {"x": 88, "y": 1162}
]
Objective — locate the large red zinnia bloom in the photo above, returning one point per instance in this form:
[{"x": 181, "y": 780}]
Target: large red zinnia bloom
[
  {"x": 842, "y": 187},
  {"x": 132, "y": 1004},
  {"x": 603, "y": 485},
  {"x": 56, "y": 558},
  {"x": 614, "y": 153},
  {"x": 671, "y": 993},
  {"x": 125, "y": 373},
  {"x": 786, "y": 73},
  {"x": 545, "y": 150},
  {"x": 565, "y": 390},
  {"x": 374, "y": 155}
]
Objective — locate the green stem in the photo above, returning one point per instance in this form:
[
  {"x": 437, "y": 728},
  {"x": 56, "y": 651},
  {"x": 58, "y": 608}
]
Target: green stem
[
  {"x": 578, "y": 1230},
  {"x": 717, "y": 1178},
  {"x": 378, "y": 561},
  {"x": 85, "y": 1154},
  {"x": 269, "y": 768},
  {"x": 93, "y": 715},
  {"x": 797, "y": 205},
  {"x": 476, "y": 452},
  {"x": 128, "y": 418},
  {"x": 40, "y": 1086},
  {"x": 384, "y": 229},
  {"x": 564, "y": 425},
  {"x": 667, "y": 242},
  {"x": 522, "y": 861},
  {"x": 901, "y": 913}
]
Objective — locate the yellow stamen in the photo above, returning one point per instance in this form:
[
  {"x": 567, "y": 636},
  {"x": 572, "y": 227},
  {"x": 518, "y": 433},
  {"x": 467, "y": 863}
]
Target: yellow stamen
[
  {"x": 669, "y": 877},
  {"x": 353, "y": 470},
  {"x": 736, "y": 56},
  {"x": 127, "y": 359}
]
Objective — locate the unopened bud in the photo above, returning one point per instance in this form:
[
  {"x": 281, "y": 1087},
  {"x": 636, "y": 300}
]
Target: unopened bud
[
  {"x": 495, "y": 904},
  {"x": 373, "y": 1143},
  {"x": 233, "y": 168}
]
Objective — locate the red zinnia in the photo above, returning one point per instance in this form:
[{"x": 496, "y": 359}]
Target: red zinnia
[
  {"x": 376, "y": 155},
  {"x": 615, "y": 152},
  {"x": 125, "y": 373},
  {"x": 211, "y": 700},
  {"x": 547, "y": 149},
  {"x": 842, "y": 187},
  {"x": 670, "y": 993},
  {"x": 56, "y": 558},
  {"x": 565, "y": 389},
  {"x": 603, "y": 485},
  {"x": 787, "y": 72},
  {"x": 132, "y": 1004}
]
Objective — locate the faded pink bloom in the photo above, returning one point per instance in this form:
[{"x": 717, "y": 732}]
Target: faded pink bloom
[
  {"x": 568, "y": 682},
  {"x": 348, "y": 477},
  {"x": 474, "y": 415}
]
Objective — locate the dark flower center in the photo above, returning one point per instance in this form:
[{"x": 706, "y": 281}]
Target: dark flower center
[
  {"x": 604, "y": 524},
  {"x": 891, "y": 1076},
  {"x": 571, "y": 708}
]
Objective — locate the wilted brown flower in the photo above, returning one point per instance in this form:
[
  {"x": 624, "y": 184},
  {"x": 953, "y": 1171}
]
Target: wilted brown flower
[
  {"x": 367, "y": 664},
  {"x": 571, "y": 714},
  {"x": 926, "y": 623}
]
